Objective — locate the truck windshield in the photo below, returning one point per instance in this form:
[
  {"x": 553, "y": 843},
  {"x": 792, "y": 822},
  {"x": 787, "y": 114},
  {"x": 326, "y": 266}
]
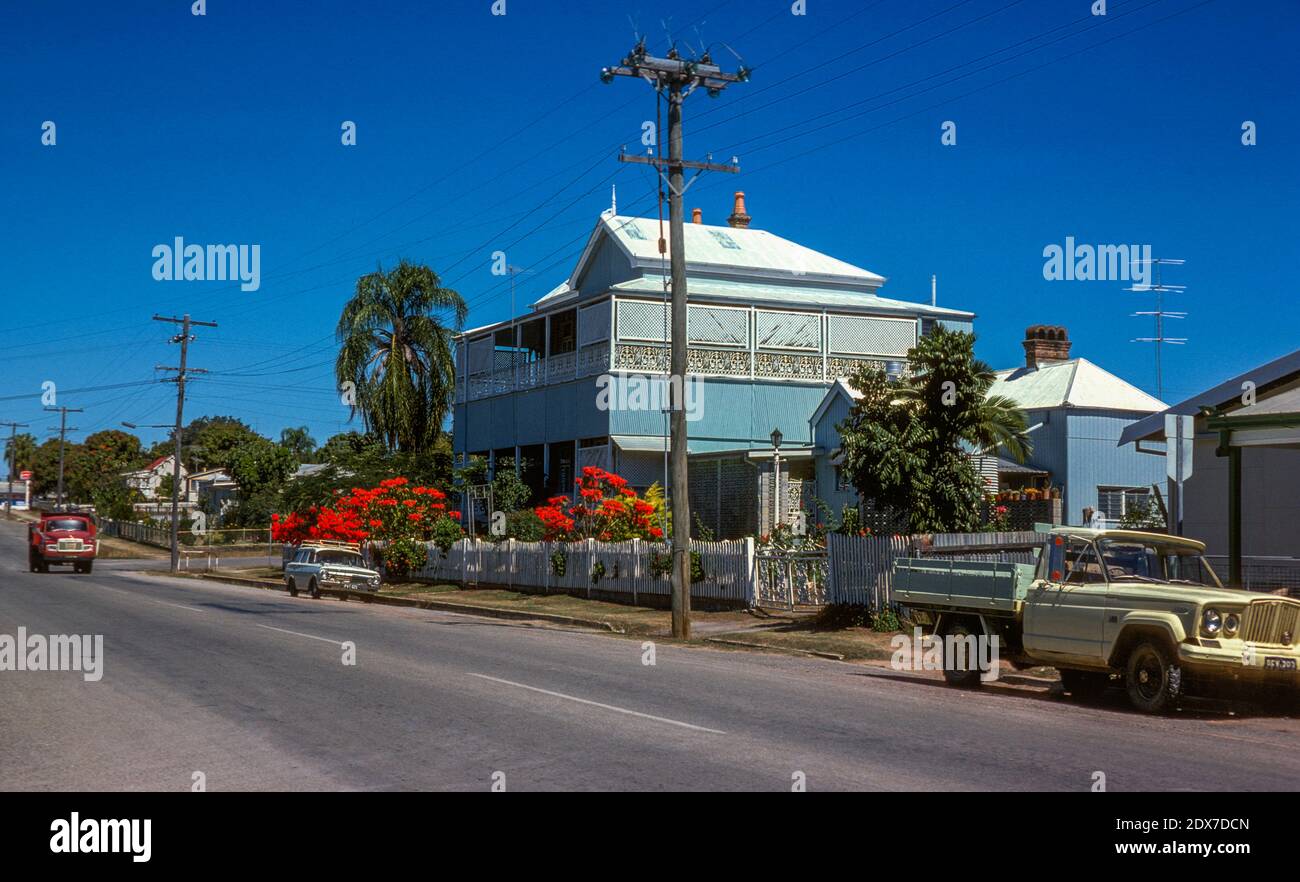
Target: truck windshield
[
  {"x": 65, "y": 524},
  {"x": 1154, "y": 561}
]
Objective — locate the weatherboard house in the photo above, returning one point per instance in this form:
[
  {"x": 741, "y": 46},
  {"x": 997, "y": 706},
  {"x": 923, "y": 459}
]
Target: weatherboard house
[
  {"x": 1076, "y": 413},
  {"x": 578, "y": 379}
]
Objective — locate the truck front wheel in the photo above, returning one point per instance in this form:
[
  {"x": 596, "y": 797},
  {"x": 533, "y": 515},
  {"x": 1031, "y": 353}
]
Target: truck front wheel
[
  {"x": 960, "y": 661},
  {"x": 1153, "y": 679}
]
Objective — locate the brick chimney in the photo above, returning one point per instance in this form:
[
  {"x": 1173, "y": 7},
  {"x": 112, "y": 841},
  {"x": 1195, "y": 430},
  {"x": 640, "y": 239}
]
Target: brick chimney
[
  {"x": 697, "y": 215},
  {"x": 738, "y": 217},
  {"x": 1045, "y": 344}
]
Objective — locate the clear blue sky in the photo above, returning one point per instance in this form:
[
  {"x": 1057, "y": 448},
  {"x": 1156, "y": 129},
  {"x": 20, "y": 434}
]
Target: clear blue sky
[{"x": 478, "y": 133}]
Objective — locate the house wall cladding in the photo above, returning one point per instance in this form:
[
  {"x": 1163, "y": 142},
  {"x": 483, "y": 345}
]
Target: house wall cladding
[{"x": 724, "y": 497}]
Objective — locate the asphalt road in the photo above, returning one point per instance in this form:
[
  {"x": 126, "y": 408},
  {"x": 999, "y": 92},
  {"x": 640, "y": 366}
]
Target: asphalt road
[{"x": 249, "y": 688}]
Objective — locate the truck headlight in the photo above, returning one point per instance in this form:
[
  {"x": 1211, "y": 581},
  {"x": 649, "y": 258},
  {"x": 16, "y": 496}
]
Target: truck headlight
[
  {"x": 1211, "y": 622},
  {"x": 1231, "y": 624}
]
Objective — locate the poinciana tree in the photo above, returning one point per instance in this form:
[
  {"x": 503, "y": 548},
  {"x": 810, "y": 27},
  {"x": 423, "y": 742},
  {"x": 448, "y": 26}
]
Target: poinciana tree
[
  {"x": 607, "y": 509},
  {"x": 395, "y": 355},
  {"x": 399, "y": 513}
]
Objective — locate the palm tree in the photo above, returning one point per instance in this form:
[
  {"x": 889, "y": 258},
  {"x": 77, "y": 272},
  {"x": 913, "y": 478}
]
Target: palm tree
[
  {"x": 397, "y": 356},
  {"x": 997, "y": 421}
]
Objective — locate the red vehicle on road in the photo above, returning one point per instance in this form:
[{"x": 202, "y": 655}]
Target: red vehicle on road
[{"x": 62, "y": 538}]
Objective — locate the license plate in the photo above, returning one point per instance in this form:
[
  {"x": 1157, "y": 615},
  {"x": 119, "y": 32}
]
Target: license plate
[{"x": 1277, "y": 663}]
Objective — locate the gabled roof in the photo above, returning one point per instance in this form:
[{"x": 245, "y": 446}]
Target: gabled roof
[
  {"x": 740, "y": 251},
  {"x": 1076, "y": 382},
  {"x": 1277, "y": 372},
  {"x": 840, "y": 388}
]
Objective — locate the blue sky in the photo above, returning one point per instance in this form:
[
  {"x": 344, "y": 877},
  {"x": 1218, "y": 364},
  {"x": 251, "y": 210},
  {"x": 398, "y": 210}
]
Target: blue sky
[{"x": 478, "y": 132}]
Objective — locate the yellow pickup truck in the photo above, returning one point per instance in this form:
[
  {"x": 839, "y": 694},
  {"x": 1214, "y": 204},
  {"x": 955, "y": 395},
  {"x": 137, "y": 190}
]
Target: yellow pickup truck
[{"x": 1105, "y": 604}]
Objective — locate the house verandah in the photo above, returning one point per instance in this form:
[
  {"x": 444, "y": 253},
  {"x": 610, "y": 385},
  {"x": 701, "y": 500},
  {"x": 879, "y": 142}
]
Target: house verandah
[{"x": 771, "y": 326}]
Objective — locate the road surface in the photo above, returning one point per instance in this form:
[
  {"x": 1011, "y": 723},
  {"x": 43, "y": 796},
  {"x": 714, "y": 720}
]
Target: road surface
[{"x": 249, "y": 689}]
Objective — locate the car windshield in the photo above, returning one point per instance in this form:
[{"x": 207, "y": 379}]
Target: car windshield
[
  {"x": 1154, "y": 561},
  {"x": 343, "y": 558},
  {"x": 65, "y": 524}
]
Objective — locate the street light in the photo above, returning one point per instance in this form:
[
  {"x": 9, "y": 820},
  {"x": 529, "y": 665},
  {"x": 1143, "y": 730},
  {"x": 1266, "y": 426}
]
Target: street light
[{"x": 776, "y": 478}]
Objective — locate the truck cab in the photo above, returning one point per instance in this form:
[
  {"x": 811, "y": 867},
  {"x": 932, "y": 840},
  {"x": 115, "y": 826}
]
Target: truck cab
[{"x": 62, "y": 539}]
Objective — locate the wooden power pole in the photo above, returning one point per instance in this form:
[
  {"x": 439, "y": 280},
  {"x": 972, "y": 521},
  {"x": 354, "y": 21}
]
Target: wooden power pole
[
  {"x": 63, "y": 434},
  {"x": 678, "y": 77},
  {"x": 182, "y": 372}
]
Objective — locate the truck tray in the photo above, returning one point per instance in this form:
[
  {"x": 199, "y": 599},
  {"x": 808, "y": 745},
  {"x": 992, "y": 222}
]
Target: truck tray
[{"x": 961, "y": 584}]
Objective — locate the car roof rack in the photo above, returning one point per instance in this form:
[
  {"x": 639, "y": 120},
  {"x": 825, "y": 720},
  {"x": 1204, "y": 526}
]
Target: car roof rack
[{"x": 333, "y": 543}]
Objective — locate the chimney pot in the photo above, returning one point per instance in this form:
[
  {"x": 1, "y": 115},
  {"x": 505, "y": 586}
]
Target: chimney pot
[
  {"x": 697, "y": 215},
  {"x": 1045, "y": 344},
  {"x": 738, "y": 216}
]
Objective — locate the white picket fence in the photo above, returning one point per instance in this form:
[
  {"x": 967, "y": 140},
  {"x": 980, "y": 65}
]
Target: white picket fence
[
  {"x": 861, "y": 568},
  {"x": 614, "y": 567}
]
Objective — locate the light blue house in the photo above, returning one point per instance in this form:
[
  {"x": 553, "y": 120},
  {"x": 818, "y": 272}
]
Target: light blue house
[
  {"x": 1076, "y": 413},
  {"x": 578, "y": 380}
]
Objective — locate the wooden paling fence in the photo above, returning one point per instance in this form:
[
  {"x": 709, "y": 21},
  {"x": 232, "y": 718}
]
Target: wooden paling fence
[
  {"x": 861, "y": 568},
  {"x": 635, "y": 568}
]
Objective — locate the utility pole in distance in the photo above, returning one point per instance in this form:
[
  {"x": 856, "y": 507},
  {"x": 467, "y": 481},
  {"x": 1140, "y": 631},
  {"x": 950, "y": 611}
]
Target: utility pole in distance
[
  {"x": 182, "y": 372},
  {"x": 680, "y": 77},
  {"x": 63, "y": 433},
  {"x": 13, "y": 460}
]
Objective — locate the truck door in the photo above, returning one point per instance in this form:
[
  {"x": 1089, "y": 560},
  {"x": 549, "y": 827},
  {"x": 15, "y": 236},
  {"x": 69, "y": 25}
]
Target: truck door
[{"x": 1065, "y": 610}]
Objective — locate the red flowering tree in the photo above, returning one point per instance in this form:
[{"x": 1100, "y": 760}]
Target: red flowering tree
[
  {"x": 402, "y": 515},
  {"x": 606, "y": 509}
]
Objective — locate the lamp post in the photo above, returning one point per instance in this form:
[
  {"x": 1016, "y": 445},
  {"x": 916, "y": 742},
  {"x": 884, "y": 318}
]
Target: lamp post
[{"x": 776, "y": 478}]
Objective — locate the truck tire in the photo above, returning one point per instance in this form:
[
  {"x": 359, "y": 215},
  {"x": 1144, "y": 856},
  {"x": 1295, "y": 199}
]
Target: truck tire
[
  {"x": 1084, "y": 685},
  {"x": 291, "y": 586},
  {"x": 967, "y": 676},
  {"x": 313, "y": 589},
  {"x": 1153, "y": 678}
]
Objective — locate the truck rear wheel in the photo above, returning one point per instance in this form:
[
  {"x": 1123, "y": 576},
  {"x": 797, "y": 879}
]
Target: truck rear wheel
[
  {"x": 1084, "y": 685},
  {"x": 1153, "y": 679},
  {"x": 960, "y": 668}
]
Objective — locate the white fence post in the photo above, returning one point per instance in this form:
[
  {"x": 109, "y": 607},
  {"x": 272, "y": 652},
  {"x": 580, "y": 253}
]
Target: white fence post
[{"x": 751, "y": 574}]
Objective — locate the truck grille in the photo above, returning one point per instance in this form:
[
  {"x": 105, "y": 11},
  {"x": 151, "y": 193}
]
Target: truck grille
[
  {"x": 1271, "y": 622},
  {"x": 69, "y": 545}
]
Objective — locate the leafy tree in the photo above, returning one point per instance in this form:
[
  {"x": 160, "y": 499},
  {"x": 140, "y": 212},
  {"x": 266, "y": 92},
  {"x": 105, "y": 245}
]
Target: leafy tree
[
  {"x": 903, "y": 440},
  {"x": 299, "y": 442},
  {"x": 346, "y": 446},
  {"x": 98, "y": 462},
  {"x": 397, "y": 355},
  {"x": 45, "y": 467},
  {"x": 211, "y": 442},
  {"x": 509, "y": 492},
  {"x": 260, "y": 466},
  {"x": 23, "y": 454}
]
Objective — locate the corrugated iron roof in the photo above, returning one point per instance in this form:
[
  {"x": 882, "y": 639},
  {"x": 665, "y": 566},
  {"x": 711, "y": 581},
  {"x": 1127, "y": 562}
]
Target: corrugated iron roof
[{"x": 1073, "y": 383}]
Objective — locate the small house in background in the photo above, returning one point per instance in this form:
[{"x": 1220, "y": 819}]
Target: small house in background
[
  {"x": 212, "y": 491},
  {"x": 148, "y": 479},
  {"x": 1077, "y": 412},
  {"x": 1242, "y": 497}
]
